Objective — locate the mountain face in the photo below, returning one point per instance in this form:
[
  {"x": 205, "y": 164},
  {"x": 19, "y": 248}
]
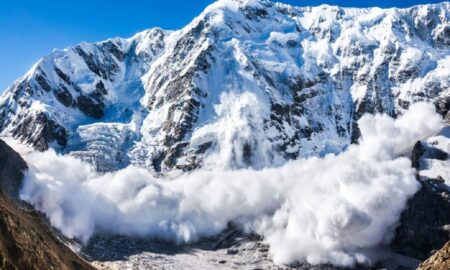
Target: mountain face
[{"x": 271, "y": 82}]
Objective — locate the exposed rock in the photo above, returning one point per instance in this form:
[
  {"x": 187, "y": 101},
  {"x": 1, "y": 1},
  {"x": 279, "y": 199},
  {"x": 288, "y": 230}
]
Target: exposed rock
[
  {"x": 439, "y": 261},
  {"x": 63, "y": 95},
  {"x": 42, "y": 81},
  {"x": 424, "y": 224},
  {"x": 232, "y": 249},
  {"x": 417, "y": 154},
  {"x": 11, "y": 172},
  {"x": 90, "y": 107},
  {"x": 38, "y": 130}
]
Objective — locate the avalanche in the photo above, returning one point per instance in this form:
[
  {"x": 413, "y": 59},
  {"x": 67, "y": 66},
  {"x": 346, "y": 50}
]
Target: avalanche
[
  {"x": 292, "y": 122},
  {"x": 333, "y": 209}
]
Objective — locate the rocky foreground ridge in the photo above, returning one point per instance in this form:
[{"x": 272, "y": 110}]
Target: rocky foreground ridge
[
  {"x": 26, "y": 242},
  {"x": 439, "y": 261}
]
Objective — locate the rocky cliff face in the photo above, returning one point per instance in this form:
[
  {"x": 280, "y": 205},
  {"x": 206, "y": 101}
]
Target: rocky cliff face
[
  {"x": 25, "y": 240},
  {"x": 11, "y": 172},
  {"x": 284, "y": 81},
  {"x": 439, "y": 261},
  {"x": 425, "y": 224}
]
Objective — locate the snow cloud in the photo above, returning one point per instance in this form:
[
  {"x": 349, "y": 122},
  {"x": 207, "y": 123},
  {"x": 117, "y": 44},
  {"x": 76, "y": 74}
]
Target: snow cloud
[{"x": 321, "y": 210}]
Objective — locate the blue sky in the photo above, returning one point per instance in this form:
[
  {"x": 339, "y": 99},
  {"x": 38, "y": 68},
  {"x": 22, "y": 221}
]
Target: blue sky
[{"x": 30, "y": 29}]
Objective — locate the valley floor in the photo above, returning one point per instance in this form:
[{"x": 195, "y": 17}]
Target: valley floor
[{"x": 230, "y": 250}]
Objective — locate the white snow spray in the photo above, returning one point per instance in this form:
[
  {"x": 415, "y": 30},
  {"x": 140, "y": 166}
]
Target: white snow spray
[{"x": 319, "y": 210}]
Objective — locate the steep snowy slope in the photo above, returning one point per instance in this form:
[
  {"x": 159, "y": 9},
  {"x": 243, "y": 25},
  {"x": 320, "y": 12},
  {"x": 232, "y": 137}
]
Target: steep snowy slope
[
  {"x": 83, "y": 100},
  {"x": 269, "y": 81}
]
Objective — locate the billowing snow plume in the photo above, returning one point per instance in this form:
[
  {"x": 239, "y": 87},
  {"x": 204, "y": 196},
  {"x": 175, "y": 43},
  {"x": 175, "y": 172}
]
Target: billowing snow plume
[{"x": 321, "y": 210}]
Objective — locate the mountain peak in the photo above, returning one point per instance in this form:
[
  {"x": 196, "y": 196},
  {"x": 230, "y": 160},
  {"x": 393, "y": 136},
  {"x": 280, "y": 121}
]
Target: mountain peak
[
  {"x": 233, "y": 4},
  {"x": 281, "y": 78},
  {"x": 236, "y": 7}
]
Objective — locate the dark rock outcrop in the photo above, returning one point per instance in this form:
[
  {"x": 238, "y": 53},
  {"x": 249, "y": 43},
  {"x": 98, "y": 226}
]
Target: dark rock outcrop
[
  {"x": 417, "y": 154},
  {"x": 39, "y": 130},
  {"x": 439, "y": 261},
  {"x": 425, "y": 224},
  {"x": 11, "y": 172}
]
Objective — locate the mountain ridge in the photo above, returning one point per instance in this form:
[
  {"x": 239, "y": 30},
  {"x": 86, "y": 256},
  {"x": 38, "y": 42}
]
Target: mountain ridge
[{"x": 292, "y": 80}]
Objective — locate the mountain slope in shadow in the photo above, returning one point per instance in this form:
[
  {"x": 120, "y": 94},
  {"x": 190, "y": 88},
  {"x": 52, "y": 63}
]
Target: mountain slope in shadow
[{"x": 25, "y": 241}]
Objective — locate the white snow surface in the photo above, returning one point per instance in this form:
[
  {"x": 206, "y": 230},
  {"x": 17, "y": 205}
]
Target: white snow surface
[{"x": 433, "y": 168}]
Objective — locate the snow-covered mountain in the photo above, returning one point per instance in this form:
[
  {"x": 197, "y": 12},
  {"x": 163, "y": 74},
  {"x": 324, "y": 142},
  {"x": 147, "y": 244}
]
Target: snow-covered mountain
[{"x": 269, "y": 81}]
